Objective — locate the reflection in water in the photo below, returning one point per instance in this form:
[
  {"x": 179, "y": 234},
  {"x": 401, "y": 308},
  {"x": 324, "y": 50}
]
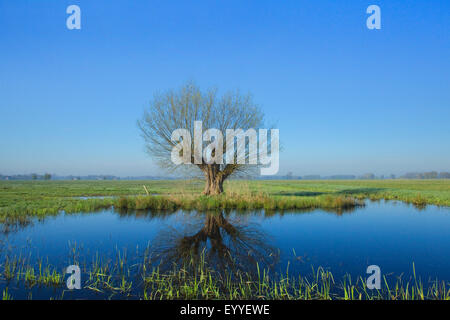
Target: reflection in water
[
  {"x": 14, "y": 225},
  {"x": 221, "y": 239},
  {"x": 222, "y": 243},
  {"x": 273, "y": 213},
  {"x": 390, "y": 234},
  {"x": 127, "y": 245},
  {"x": 224, "y": 239}
]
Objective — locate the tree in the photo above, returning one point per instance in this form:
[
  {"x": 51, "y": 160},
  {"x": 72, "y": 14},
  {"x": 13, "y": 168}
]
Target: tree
[
  {"x": 34, "y": 176},
  {"x": 368, "y": 176},
  {"x": 430, "y": 175},
  {"x": 444, "y": 175},
  {"x": 180, "y": 109},
  {"x": 47, "y": 176}
]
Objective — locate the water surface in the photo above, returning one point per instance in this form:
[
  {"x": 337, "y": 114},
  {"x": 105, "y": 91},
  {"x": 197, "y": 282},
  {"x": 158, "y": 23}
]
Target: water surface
[{"x": 392, "y": 235}]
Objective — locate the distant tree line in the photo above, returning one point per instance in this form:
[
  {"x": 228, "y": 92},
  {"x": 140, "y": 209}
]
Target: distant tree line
[
  {"x": 32, "y": 176},
  {"x": 427, "y": 175},
  {"x": 48, "y": 176},
  {"x": 366, "y": 176},
  {"x": 288, "y": 176}
]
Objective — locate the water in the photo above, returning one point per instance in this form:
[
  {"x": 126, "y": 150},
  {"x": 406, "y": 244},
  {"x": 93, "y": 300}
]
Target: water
[{"x": 392, "y": 235}]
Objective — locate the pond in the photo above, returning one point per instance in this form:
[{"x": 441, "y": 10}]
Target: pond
[{"x": 392, "y": 235}]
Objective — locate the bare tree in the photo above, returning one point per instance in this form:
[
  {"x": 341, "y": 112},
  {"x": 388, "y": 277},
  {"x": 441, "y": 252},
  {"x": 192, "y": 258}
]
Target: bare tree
[{"x": 180, "y": 109}]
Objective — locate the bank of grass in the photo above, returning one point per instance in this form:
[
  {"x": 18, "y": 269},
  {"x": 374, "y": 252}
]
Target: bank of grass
[
  {"x": 20, "y": 199},
  {"x": 238, "y": 202},
  {"x": 117, "y": 278}
]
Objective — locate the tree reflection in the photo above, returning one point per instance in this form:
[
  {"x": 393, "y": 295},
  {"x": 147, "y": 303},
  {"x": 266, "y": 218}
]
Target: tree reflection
[{"x": 222, "y": 243}]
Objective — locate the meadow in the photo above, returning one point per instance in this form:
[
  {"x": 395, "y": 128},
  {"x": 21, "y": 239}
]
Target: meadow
[{"x": 20, "y": 199}]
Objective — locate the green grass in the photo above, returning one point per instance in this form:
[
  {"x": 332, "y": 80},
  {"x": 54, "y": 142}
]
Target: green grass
[
  {"x": 239, "y": 202},
  {"x": 419, "y": 192},
  {"x": 106, "y": 278},
  {"x": 6, "y": 295},
  {"x": 20, "y": 199}
]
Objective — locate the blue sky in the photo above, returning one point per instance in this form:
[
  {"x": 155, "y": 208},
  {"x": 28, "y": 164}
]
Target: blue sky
[{"x": 346, "y": 99}]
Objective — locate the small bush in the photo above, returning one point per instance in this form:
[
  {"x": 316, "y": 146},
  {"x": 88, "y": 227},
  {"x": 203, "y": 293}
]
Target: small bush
[
  {"x": 419, "y": 201},
  {"x": 122, "y": 203}
]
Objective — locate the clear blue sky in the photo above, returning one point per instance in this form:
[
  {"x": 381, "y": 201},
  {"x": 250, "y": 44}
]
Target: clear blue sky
[{"x": 346, "y": 99}]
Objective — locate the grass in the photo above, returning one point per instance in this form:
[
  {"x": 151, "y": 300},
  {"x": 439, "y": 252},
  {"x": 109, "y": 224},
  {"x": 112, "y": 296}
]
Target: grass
[
  {"x": 6, "y": 295},
  {"x": 436, "y": 192},
  {"x": 107, "y": 278},
  {"x": 19, "y": 199},
  {"x": 43, "y": 274},
  {"x": 226, "y": 202}
]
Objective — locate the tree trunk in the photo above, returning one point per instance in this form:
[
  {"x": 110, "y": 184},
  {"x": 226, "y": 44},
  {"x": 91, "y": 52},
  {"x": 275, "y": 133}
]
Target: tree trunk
[{"x": 214, "y": 181}]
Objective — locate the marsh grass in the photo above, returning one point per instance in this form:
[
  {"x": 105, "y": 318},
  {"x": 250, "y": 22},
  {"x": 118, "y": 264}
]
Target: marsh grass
[
  {"x": 6, "y": 295},
  {"x": 237, "y": 201},
  {"x": 42, "y": 273},
  {"x": 106, "y": 278}
]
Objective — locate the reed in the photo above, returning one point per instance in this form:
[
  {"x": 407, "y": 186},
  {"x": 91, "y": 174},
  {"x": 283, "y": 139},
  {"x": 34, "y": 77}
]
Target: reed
[
  {"x": 106, "y": 278},
  {"x": 6, "y": 295},
  {"x": 236, "y": 202}
]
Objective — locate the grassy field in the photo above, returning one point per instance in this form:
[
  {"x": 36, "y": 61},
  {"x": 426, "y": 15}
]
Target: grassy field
[{"x": 40, "y": 198}]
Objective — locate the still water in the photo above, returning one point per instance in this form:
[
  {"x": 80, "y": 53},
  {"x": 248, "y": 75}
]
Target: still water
[{"x": 392, "y": 235}]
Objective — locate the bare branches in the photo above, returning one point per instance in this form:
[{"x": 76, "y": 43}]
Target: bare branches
[{"x": 180, "y": 109}]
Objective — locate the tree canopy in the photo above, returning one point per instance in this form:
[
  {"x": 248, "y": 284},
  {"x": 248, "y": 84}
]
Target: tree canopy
[{"x": 175, "y": 109}]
